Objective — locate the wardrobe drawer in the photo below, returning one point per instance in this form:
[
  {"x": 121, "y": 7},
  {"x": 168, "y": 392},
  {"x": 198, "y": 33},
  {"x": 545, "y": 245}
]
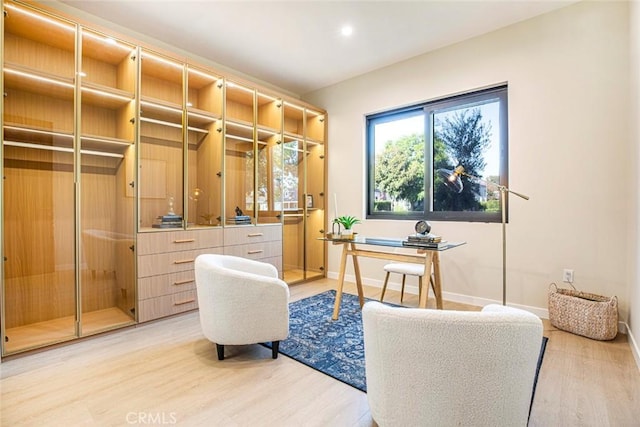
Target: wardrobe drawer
[
  {"x": 255, "y": 250},
  {"x": 170, "y": 241},
  {"x": 172, "y": 262},
  {"x": 252, "y": 234},
  {"x": 166, "y": 284},
  {"x": 154, "y": 308}
]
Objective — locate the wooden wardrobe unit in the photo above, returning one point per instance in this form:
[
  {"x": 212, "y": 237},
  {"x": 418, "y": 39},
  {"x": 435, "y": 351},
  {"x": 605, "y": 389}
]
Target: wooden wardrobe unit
[{"x": 122, "y": 163}]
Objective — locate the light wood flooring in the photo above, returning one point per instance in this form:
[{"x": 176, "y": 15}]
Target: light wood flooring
[{"x": 166, "y": 372}]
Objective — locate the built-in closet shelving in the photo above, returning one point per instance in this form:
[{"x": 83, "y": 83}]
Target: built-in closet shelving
[{"x": 123, "y": 162}]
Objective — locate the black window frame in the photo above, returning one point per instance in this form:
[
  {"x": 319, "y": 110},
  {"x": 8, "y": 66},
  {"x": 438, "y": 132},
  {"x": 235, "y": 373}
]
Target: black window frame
[{"x": 426, "y": 108}]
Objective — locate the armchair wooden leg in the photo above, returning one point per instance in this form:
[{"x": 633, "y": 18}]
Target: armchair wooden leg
[
  {"x": 419, "y": 287},
  {"x": 275, "y": 345},
  {"x": 404, "y": 277},
  {"x": 384, "y": 287},
  {"x": 220, "y": 349}
]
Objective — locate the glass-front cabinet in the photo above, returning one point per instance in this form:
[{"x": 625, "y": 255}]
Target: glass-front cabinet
[
  {"x": 67, "y": 222},
  {"x": 107, "y": 78},
  {"x": 239, "y": 155},
  {"x": 269, "y": 164},
  {"x": 204, "y": 148},
  {"x": 161, "y": 153},
  {"x": 315, "y": 194},
  {"x": 121, "y": 164},
  {"x": 303, "y": 193}
]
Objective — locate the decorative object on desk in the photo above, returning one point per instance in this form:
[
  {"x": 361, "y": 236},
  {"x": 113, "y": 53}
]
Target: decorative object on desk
[
  {"x": 582, "y": 313},
  {"x": 452, "y": 181},
  {"x": 333, "y": 347},
  {"x": 239, "y": 211},
  {"x": 346, "y": 222},
  {"x": 168, "y": 221},
  {"x": 309, "y": 201},
  {"x": 422, "y": 227}
]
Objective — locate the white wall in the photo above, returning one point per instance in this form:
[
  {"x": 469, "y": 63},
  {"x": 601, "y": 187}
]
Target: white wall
[
  {"x": 568, "y": 77},
  {"x": 634, "y": 113}
]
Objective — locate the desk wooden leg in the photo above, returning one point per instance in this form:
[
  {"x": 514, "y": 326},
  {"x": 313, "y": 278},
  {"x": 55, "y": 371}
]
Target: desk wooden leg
[
  {"x": 428, "y": 262},
  {"x": 343, "y": 267},
  {"x": 356, "y": 269},
  {"x": 437, "y": 288}
]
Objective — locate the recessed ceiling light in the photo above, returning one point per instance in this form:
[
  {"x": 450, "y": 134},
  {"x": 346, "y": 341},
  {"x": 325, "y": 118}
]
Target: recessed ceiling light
[{"x": 346, "y": 30}]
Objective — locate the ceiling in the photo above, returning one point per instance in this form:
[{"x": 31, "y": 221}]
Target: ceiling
[{"x": 297, "y": 45}]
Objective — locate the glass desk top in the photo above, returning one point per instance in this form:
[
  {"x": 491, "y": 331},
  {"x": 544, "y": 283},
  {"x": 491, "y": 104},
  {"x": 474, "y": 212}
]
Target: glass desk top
[{"x": 393, "y": 243}]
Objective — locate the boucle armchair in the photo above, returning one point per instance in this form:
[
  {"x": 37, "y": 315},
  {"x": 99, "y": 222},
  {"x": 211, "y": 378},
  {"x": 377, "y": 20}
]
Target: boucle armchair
[
  {"x": 450, "y": 368},
  {"x": 241, "y": 301}
]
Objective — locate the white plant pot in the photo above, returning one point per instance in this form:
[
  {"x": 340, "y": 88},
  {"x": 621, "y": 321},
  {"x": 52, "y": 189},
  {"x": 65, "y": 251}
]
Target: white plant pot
[{"x": 346, "y": 233}]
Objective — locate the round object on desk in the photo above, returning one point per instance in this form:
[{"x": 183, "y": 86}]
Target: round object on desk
[{"x": 422, "y": 227}]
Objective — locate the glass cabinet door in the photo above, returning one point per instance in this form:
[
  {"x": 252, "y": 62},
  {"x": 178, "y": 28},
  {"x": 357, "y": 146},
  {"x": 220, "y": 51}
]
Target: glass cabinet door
[
  {"x": 107, "y": 277},
  {"x": 269, "y": 147},
  {"x": 303, "y": 193},
  {"x": 239, "y": 155},
  {"x": 39, "y": 288},
  {"x": 204, "y": 153},
  {"x": 161, "y": 155},
  {"x": 315, "y": 196},
  {"x": 293, "y": 194}
]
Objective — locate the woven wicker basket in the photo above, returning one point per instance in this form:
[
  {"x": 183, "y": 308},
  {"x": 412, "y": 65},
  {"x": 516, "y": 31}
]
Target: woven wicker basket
[{"x": 590, "y": 315}]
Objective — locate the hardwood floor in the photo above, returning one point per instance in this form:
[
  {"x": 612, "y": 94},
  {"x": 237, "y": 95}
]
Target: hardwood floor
[{"x": 166, "y": 372}]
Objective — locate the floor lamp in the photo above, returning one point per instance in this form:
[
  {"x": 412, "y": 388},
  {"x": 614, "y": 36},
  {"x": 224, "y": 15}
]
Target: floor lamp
[{"x": 453, "y": 181}]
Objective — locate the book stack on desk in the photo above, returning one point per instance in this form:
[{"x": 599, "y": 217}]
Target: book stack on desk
[{"x": 428, "y": 241}]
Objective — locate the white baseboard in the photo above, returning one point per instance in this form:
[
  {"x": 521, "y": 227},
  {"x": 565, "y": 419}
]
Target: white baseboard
[
  {"x": 634, "y": 344},
  {"x": 541, "y": 312},
  {"x": 449, "y": 296}
]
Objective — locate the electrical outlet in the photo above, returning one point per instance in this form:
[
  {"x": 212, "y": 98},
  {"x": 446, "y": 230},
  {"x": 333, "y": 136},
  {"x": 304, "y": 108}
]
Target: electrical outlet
[{"x": 567, "y": 275}]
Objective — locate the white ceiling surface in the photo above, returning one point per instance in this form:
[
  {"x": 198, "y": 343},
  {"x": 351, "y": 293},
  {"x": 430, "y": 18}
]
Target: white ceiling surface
[{"x": 297, "y": 45}]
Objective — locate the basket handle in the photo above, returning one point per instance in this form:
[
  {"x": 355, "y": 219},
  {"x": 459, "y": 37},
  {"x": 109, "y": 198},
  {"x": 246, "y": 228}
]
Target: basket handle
[{"x": 555, "y": 287}]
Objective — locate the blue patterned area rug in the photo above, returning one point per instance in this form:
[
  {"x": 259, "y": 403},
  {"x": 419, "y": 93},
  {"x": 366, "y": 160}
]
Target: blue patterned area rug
[{"x": 335, "y": 347}]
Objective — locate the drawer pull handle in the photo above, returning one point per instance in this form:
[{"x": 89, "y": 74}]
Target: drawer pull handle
[
  {"x": 255, "y": 234},
  {"x": 184, "y": 302},
  {"x": 183, "y": 261},
  {"x": 184, "y": 241},
  {"x": 256, "y": 251},
  {"x": 183, "y": 282}
]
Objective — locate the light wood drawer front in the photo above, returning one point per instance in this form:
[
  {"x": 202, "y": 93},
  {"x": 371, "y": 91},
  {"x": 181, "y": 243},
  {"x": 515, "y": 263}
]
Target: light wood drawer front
[
  {"x": 172, "y": 262},
  {"x": 169, "y": 241},
  {"x": 155, "y": 286},
  {"x": 252, "y": 234},
  {"x": 255, "y": 250},
  {"x": 154, "y": 308}
]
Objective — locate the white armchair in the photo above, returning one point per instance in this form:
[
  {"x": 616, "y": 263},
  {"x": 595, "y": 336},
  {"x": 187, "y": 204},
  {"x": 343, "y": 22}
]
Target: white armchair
[
  {"x": 450, "y": 368},
  {"x": 241, "y": 301}
]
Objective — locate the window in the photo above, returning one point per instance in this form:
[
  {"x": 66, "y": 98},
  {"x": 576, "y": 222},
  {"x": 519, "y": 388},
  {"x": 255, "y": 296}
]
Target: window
[{"x": 411, "y": 151}]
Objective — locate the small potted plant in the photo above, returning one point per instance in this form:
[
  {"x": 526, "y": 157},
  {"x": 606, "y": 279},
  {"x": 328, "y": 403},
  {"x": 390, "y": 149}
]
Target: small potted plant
[{"x": 346, "y": 222}]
